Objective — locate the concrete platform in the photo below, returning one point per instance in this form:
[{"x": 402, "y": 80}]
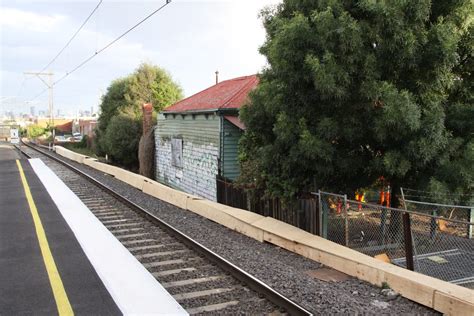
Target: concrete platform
[
  {"x": 60, "y": 271},
  {"x": 7, "y": 152}
]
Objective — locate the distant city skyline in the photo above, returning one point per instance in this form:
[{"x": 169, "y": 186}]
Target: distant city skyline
[{"x": 33, "y": 112}]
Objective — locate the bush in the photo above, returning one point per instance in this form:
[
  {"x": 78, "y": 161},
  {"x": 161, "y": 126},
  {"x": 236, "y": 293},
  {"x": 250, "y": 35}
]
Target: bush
[
  {"x": 34, "y": 131},
  {"x": 121, "y": 140}
]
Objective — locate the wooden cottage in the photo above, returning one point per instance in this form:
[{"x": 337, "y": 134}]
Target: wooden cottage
[{"x": 197, "y": 138}]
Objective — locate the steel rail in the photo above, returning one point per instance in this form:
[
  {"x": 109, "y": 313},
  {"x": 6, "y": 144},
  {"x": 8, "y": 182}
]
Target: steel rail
[{"x": 244, "y": 277}]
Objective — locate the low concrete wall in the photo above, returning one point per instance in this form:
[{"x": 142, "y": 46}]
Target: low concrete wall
[
  {"x": 166, "y": 194},
  {"x": 437, "y": 294},
  {"x": 70, "y": 154},
  {"x": 131, "y": 178},
  {"x": 235, "y": 219},
  {"x": 440, "y": 295},
  {"x": 105, "y": 168}
]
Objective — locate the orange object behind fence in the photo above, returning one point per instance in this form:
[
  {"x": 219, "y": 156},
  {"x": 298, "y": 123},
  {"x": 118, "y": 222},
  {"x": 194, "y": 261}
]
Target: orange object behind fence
[
  {"x": 385, "y": 197},
  {"x": 360, "y": 198}
]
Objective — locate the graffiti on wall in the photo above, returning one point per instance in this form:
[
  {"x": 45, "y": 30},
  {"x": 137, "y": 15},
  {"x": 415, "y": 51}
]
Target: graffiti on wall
[{"x": 199, "y": 167}]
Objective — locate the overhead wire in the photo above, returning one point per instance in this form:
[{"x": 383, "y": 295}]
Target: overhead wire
[
  {"x": 104, "y": 48},
  {"x": 73, "y": 36},
  {"x": 22, "y": 85},
  {"x": 39, "y": 94},
  {"x": 65, "y": 46},
  {"x": 111, "y": 43}
]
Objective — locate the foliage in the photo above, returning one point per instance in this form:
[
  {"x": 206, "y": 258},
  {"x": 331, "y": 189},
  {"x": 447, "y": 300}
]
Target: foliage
[
  {"x": 23, "y": 131},
  {"x": 112, "y": 102},
  {"x": 83, "y": 147},
  {"x": 354, "y": 91},
  {"x": 454, "y": 176},
  {"x": 152, "y": 84},
  {"x": 34, "y": 131},
  {"x": 121, "y": 139},
  {"x": 148, "y": 83},
  {"x": 83, "y": 143}
]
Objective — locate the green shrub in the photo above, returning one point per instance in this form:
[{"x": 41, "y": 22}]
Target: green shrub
[
  {"x": 121, "y": 140},
  {"x": 34, "y": 131}
]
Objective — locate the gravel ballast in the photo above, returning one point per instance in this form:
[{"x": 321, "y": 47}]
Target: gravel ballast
[{"x": 282, "y": 270}]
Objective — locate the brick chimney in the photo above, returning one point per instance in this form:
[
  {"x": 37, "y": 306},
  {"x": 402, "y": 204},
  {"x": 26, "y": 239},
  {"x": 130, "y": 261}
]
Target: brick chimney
[{"x": 147, "y": 117}]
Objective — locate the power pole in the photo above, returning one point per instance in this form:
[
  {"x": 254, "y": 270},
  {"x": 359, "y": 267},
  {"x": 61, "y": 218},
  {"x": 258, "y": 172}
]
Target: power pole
[{"x": 49, "y": 83}]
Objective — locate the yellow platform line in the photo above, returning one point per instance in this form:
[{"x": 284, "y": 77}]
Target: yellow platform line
[{"x": 62, "y": 301}]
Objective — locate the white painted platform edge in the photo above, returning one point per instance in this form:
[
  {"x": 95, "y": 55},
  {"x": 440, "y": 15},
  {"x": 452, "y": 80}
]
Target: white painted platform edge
[{"x": 132, "y": 287}]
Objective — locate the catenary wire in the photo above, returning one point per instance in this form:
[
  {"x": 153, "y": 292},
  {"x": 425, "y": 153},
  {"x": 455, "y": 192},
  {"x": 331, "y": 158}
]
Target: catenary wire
[
  {"x": 111, "y": 43},
  {"x": 103, "y": 48},
  {"x": 72, "y": 38}
]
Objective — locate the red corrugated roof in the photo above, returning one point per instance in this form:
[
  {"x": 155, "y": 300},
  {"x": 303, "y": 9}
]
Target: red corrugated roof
[
  {"x": 228, "y": 94},
  {"x": 236, "y": 121}
]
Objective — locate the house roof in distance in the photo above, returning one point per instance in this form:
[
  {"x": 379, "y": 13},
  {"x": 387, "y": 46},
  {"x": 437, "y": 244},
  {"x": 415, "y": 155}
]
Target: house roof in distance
[{"x": 228, "y": 94}]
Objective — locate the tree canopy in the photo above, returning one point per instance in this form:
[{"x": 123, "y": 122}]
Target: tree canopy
[
  {"x": 148, "y": 84},
  {"x": 453, "y": 178},
  {"x": 356, "y": 90},
  {"x": 35, "y": 131},
  {"x": 124, "y": 99}
]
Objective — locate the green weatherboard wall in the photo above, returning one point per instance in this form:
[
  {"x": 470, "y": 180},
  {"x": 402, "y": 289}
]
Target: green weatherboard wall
[
  {"x": 198, "y": 129},
  {"x": 230, "y": 150},
  {"x": 213, "y": 139}
]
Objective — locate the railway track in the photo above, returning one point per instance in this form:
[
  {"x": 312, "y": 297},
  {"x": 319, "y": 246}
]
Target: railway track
[{"x": 201, "y": 281}]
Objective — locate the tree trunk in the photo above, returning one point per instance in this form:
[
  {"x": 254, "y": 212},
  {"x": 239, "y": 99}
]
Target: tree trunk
[
  {"x": 146, "y": 154},
  {"x": 395, "y": 230}
]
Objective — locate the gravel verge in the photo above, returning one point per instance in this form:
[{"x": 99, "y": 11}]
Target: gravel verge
[{"x": 284, "y": 271}]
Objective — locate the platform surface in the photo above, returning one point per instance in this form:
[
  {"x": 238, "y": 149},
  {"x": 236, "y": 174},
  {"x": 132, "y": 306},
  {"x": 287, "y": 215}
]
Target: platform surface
[{"x": 26, "y": 286}]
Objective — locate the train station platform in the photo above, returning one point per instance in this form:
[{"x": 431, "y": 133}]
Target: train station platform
[{"x": 57, "y": 258}]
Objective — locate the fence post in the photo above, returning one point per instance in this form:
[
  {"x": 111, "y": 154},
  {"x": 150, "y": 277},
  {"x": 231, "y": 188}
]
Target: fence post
[
  {"x": 433, "y": 224},
  {"x": 324, "y": 217},
  {"x": 346, "y": 222},
  {"x": 218, "y": 190},
  {"x": 470, "y": 231},
  {"x": 319, "y": 215},
  {"x": 408, "y": 241}
]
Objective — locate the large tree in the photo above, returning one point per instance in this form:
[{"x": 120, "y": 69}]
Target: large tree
[
  {"x": 125, "y": 97},
  {"x": 354, "y": 90},
  {"x": 453, "y": 177}
]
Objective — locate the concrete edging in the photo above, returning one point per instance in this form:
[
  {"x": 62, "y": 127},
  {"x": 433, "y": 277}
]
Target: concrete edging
[{"x": 442, "y": 296}]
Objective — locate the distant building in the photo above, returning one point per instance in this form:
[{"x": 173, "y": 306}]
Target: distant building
[
  {"x": 62, "y": 125},
  {"x": 85, "y": 126},
  {"x": 197, "y": 138},
  {"x": 32, "y": 111}
]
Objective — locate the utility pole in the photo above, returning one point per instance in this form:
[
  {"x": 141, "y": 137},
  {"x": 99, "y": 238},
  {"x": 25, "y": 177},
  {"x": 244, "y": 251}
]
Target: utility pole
[{"x": 49, "y": 83}]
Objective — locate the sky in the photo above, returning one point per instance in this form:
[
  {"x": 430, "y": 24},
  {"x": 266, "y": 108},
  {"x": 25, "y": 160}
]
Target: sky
[{"x": 191, "y": 39}]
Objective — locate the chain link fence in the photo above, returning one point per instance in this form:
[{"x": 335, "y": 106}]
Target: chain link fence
[
  {"x": 448, "y": 212},
  {"x": 442, "y": 248},
  {"x": 426, "y": 243},
  {"x": 424, "y": 237},
  {"x": 368, "y": 228}
]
